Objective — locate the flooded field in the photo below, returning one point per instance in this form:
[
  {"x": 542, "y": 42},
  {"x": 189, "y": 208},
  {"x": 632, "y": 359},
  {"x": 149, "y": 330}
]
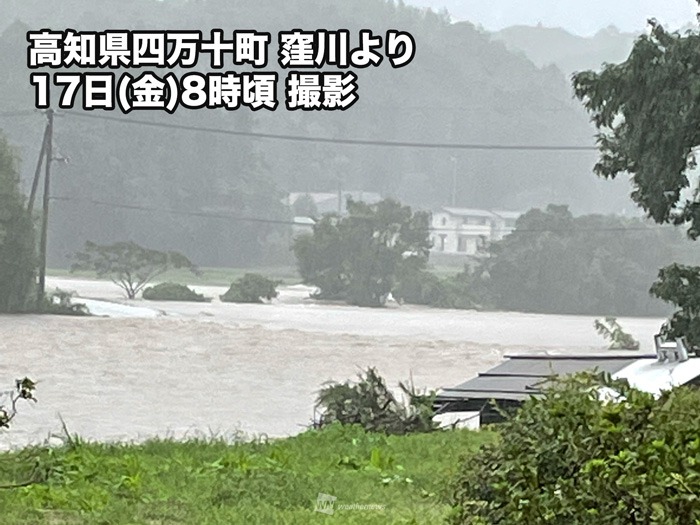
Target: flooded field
[{"x": 192, "y": 369}]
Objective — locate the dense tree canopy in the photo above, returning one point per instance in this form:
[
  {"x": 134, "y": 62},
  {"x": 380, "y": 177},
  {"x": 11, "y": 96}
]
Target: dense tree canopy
[
  {"x": 557, "y": 263},
  {"x": 647, "y": 111},
  {"x": 17, "y": 253},
  {"x": 357, "y": 258}
]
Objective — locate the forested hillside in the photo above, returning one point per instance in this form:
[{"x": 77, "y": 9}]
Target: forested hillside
[
  {"x": 570, "y": 53},
  {"x": 460, "y": 88}
]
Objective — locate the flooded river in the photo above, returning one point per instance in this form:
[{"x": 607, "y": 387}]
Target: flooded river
[{"x": 197, "y": 369}]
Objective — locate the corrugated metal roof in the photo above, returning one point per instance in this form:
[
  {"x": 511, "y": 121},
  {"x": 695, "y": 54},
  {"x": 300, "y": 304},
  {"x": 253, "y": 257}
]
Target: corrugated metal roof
[{"x": 522, "y": 376}]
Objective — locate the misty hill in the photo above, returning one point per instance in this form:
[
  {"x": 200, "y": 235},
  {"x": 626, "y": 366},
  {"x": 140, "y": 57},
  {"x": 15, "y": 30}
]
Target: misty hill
[
  {"x": 124, "y": 180},
  {"x": 570, "y": 53}
]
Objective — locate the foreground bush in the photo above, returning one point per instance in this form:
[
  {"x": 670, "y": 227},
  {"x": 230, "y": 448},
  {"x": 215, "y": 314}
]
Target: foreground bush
[
  {"x": 569, "y": 458},
  {"x": 172, "y": 292},
  {"x": 370, "y": 404},
  {"x": 251, "y": 288}
]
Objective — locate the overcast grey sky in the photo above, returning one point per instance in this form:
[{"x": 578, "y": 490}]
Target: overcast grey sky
[{"x": 584, "y": 17}]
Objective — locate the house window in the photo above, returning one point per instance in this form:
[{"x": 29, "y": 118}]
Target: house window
[
  {"x": 444, "y": 221},
  {"x": 442, "y": 242}
]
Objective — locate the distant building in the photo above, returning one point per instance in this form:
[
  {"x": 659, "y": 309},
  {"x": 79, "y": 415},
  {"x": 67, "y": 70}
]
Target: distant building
[
  {"x": 467, "y": 232},
  {"x": 302, "y": 225},
  {"x": 334, "y": 202}
]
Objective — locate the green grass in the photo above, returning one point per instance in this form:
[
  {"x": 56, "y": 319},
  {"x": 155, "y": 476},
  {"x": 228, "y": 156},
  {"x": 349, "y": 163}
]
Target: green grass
[
  {"x": 211, "y": 482},
  {"x": 209, "y": 276}
]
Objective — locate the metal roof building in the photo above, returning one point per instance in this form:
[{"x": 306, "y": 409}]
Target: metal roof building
[{"x": 522, "y": 376}]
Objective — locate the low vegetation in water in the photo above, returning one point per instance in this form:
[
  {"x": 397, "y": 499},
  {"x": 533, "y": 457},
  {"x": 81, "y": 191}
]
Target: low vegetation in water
[
  {"x": 172, "y": 292},
  {"x": 611, "y": 331},
  {"x": 251, "y": 288}
]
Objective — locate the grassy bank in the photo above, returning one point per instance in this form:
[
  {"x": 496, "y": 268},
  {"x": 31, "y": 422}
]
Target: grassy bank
[
  {"x": 208, "y": 277},
  {"x": 163, "y": 482}
]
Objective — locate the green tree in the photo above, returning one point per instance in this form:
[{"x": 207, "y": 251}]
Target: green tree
[
  {"x": 647, "y": 111},
  {"x": 357, "y": 258},
  {"x": 17, "y": 251},
  {"x": 128, "y": 265}
]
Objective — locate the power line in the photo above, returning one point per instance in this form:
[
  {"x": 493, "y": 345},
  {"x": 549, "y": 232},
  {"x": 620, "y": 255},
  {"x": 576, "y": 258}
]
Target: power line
[
  {"x": 24, "y": 113},
  {"x": 176, "y": 212},
  {"x": 327, "y": 140},
  {"x": 292, "y": 223}
]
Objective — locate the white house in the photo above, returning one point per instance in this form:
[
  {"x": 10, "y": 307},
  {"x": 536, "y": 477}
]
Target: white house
[{"x": 466, "y": 231}]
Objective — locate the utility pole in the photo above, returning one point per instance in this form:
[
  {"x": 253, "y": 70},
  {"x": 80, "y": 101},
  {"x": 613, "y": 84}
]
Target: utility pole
[
  {"x": 41, "y": 288},
  {"x": 37, "y": 172},
  {"x": 340, "y": 197},
  {"x": 454, "y": 181}
]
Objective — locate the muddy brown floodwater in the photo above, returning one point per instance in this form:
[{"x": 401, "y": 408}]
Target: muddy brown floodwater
[{"x": 220, "y": 368}]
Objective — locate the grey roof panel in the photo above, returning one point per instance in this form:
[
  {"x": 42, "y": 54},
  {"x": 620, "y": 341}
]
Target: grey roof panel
[
  {"x": 545, "y": 368},
  {"x": 520, "y": 376}
]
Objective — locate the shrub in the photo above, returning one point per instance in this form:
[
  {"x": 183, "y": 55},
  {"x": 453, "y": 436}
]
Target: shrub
[
  {"x": 424, "y": 288},
  {"x": 370, "y": 404},
  {"x": 570, "y": 457},
  {"x": 418, "y": 287},
  {"x": 251, "y": 288},
  {"x": 172, "y": 292}
]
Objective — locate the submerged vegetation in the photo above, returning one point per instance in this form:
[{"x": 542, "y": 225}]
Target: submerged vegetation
[
  {"x": 251, "y": 288},
  {"x": 172, "y": 292},
  {"x": 611, "y": 331}
]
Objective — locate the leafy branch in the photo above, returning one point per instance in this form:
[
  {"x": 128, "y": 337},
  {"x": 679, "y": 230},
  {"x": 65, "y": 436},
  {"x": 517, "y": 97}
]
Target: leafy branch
[{"x": 24, "y": 390}]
